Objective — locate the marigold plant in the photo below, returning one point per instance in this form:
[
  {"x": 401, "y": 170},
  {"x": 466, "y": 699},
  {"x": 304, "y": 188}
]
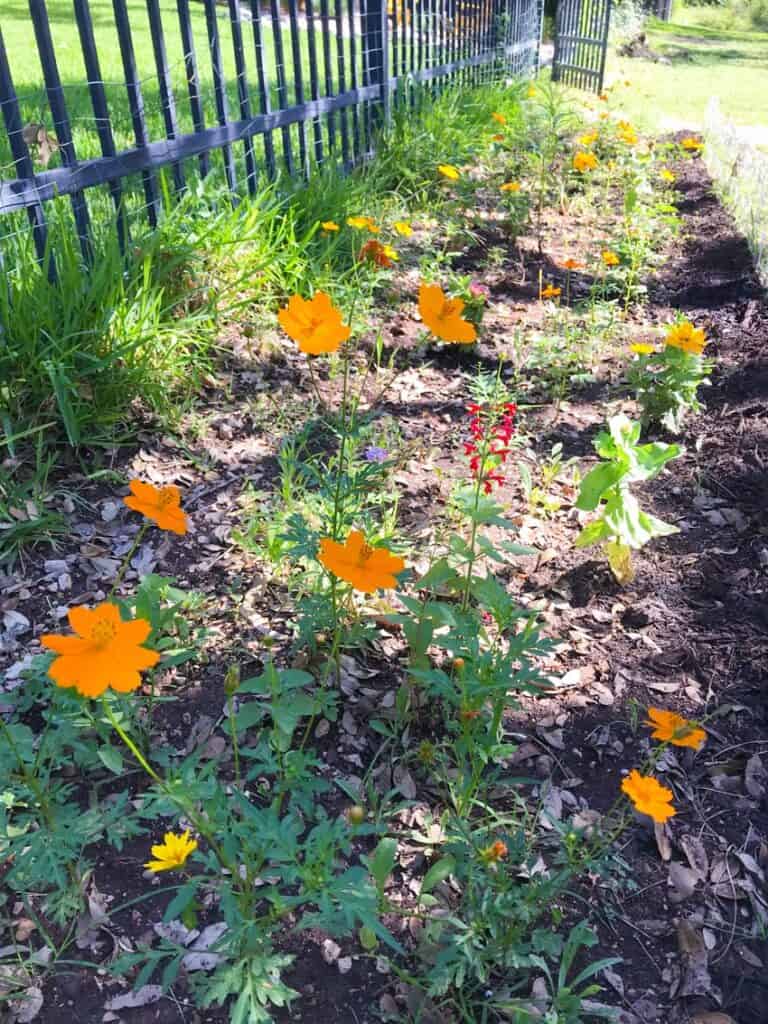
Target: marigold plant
[
  {"x": 670, "y": 727},
  {"x": 649, "y": 796},
  {"x": 315, "y": 324},
  {"x": 511, "y": 186},
  {"x": 107, "y": 652},
  {"x": 610, "y": 258},
  {"x": 402, "y": 227},
  {"x": 687, "y": 338},
  {"x": 357, "y": 563},
  {"x": 375, "y": 252},
  {"x": 330, "y": 225},
  {"x": 498, "y": 118},
  {"x": 172, "y": 853},
  {"x": 584, "y": 162},
  {"x": 160, "y": 504},
  {"x": 442, "y": 315}
]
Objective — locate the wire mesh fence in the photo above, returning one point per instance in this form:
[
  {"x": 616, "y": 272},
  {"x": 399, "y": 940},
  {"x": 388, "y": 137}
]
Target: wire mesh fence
[{"x": 121, "y": 105}]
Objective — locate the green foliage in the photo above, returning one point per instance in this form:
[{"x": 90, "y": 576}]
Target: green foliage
[
  {"x": 606, "y": 488},
  {"x": 666, "y": 385}
]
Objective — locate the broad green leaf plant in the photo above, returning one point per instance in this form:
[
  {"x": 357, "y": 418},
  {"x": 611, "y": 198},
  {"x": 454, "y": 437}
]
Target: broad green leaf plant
[{"x": 621, "y": 525}]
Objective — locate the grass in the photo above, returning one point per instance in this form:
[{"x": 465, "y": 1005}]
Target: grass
[
  {"x": 77, "y": 357},
  {"x": 705, "y": 60}
]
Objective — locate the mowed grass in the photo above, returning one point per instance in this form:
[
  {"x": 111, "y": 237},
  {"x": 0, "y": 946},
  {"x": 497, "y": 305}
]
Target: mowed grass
[{"x": 705, "y": 61}]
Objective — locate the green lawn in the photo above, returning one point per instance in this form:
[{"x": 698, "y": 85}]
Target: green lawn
[
  {"x": 705, "y": 61},
  {"x": 19, "y": 40}
]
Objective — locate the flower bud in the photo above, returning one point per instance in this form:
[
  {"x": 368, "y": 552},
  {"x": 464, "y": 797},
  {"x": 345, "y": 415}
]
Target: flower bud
[
  {"x": 356, "y": 814},
  {"x": 458, "y": 664},
  {"x": 232, "y": 680}
]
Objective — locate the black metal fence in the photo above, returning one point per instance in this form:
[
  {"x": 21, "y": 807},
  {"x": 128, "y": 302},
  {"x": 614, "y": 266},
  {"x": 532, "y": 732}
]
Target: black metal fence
[
  {"x": 581, "y": 43},
  {"x": 164, "y": 91}
]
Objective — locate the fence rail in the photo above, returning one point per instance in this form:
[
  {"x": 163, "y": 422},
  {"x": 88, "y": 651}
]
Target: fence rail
[{"x": 256, "y": 89}]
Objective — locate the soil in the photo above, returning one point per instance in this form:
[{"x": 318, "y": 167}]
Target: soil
[{"x": 691, "y": 632}]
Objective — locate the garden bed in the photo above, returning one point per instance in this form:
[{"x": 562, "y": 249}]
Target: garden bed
[{"x": 683, "y": 906}]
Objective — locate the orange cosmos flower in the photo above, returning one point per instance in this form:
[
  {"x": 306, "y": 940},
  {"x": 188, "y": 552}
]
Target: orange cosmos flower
[
  {"x": 106, "y": 652},
  {"x": 364, "y": 224},
  {"x": 356, "y": 562},
  {"x": 550, "y": 292},
  {"x": 511, "y": 186},
  {"x": 443, "y": 315},
  {"x": 603, "y": 96},
  {"x": 498, "y": 118},
  {"x": 609, "y": 258},
  {"x": 449, "y": 171},
  {"x": 672, "y": 728},
  {"x": 686, "y": 337},
  {"x": 329, "y": 225},
  {"x": 649, "y": 796},
  {"x": 497, "y": 138},
  {"x": 314, "y": 324},
  {"x": 495, "y": 852},
  {"x": 571, "y": 264},
  {"x": 692, "y": 144},
  {"x": 402, "y": 227},
  {"x": 160, "y": 504},
  {"x": 375, "y": 252},
  {"x": 584, "y": 162}
]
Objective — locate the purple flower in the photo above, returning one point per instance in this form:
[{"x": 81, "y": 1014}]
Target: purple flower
[{"x": 374, "y": 454}]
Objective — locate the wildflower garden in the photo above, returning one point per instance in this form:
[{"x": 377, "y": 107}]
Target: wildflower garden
[{"x": 384, "y": 598}]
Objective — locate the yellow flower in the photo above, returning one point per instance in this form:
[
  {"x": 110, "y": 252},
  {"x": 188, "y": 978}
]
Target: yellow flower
[
  {"x": 587, "y": 140},
  {"x": 672, "y": 728},
  {"x": 687, "y": 338},
  {"x": 642, "y": 348},
  {"x": 329, "y": 225},
  {"x": 364, "y": 224},
  {"x": 402, "y": 227},
  {"x": 550, "y": 292},
  {"x": 584, "y": 162},
  {"x": 107, "y": 651},
  {"x": 666, "y": 175},
  {"x": 356, "y": 562},
  {"x": 692, "y": 144},
  {"x": 511, "y": 186},
  {"x": 531, "y": 92},
  {"x": 629, "y": 137},
  {"x": 498, "y": 118},
  {"x": 449, "y": 171},
  {"x": 442, "y": 315},
  {"x": 160, "y": 504},
  {"x": 172, "y": 853},
  {"x": 649, "y": 796},
  {"x": 609, "y": 258}
]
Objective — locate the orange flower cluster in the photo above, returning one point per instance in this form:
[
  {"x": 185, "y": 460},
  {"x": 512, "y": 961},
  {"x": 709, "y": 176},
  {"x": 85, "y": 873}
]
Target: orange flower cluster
[
  {"x": 649, "y": 796},
  {"x": 670, "y": 727},
  {"x": 443, "y": 316},
  {"x": 160, "y": 504},
  {"x": 495, "y": 852},
  {"x": 584, "y": 162},
  {"x": 357, "y": 563},
  {"x": 314, "y": 324},
  {"x": 377, "y": 253},
  {"x": 107, "y": 652},
  {"x": 550, "y": 292}
]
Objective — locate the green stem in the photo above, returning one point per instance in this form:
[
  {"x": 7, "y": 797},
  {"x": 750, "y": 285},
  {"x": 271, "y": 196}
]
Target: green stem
[
  {"x": 233, "y": 732},
  {"x": 127, "y": 560}
]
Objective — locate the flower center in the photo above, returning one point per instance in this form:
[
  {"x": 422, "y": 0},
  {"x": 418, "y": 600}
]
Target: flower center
[
  {"x": 365, "y": 553},
  {"x": 103, "y": 632},
  {"x": 165, "y": 497}
]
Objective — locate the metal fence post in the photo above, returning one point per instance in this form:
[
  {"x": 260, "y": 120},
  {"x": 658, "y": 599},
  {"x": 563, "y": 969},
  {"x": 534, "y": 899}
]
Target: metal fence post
[{"x": 376, "y": 56}]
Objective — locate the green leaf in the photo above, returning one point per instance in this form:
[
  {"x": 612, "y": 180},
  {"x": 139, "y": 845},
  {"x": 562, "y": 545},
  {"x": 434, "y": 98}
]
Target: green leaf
[
  {"x": 592, "y": 533},
  {"x": 597, "y": 482},
  {"x": 438, "y": 873},
  {"x": 111, "y": 758},
  {"x": 382, "y": 860}
]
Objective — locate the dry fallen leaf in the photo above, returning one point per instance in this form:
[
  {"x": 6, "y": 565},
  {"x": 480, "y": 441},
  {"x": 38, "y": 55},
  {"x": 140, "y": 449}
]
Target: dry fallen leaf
[
  {"x": 712, "y": 1017},
  {"x": 144, "y": 996}
]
